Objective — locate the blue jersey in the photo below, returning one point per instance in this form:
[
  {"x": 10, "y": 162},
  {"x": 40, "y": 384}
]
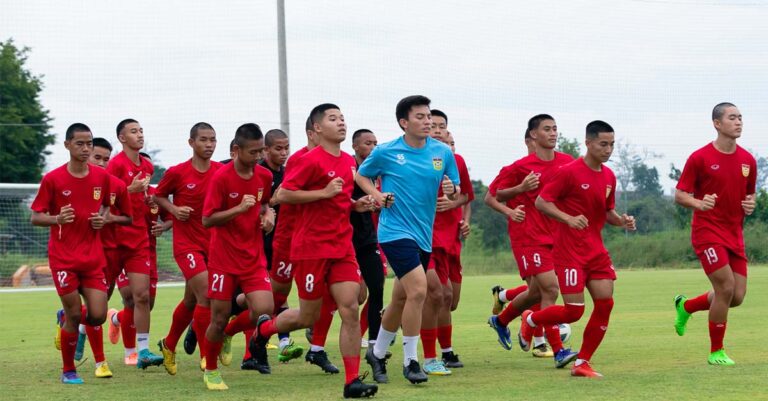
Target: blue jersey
[{"x": 414, "y": 176}]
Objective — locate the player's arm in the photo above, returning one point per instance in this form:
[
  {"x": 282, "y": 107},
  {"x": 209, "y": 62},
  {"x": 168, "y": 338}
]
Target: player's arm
[
  {"x": 267, "y": 218},
  {"x": 552, "y": 211},
  {"x": 65, "y": 216},
  {"x": 529, "y": 183},
  {"x": 445, "y": 203},
  {"x": 159, "y": 227},
  {"x": 623, "y": 221},
  {"x": 687, "y": 200},
  {"x": 224, "y": 216},
  {"x": 297, "y": 197},
  {"x": 517, "y": 214},
  {"x": 366, "y": 184}
]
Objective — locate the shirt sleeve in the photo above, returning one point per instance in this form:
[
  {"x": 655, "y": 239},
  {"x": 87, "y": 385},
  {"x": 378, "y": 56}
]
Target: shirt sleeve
[
  {"x": 450, "y": 168},
  {"x": 610, "y": 203},
  {"x": 123, "y": 201},
  {"x": 752, "y": 179},
  {"x": 371, "y": 166},
  {"x": 298, "y": 175},
  {"x": 557, "y": 187},
  {"x": 43, "y": 199},
  {"x": 687, "y": 181},
  {"x": 214, "y": 198},
  {"x": 466, "y": 188},
  {"x": 267, "y": 180},
  {"x": 167, "y": 185}
]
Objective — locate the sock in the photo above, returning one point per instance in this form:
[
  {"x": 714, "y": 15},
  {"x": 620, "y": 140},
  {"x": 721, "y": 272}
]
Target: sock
[
  {"x": 596, "y": 328},
  {"x": 115, "y": 318},
  {"x": 181, "y": 318},
  {"x": 315, "y": 348},
  {"x": 241, "y": 323},
  {"x": 268, "y": 328},
  {"x": 556, "y": 314},
  {"x": 323, "y": 324},
  {"x": 68, "y": 344},
  {"x": 716, "y": 335},
  {"x": 248, "y": 334},
  {"x": 96, "y": 340},
  {"x": 539, "y": 340},
  {"x": 382, "y": 342},
  {"x": 351, "y": 368},
  {"x": 143, "y": 341},
  {"x": 697, "y": 304},
  {"x": 552, "y": 332},
  {"x": 429, "y": 342},
  {"x": 364, "y": 320},
  {"x": 410, "y": 344},
  {"x": 129, "y": 351},
  {"x": 510, "y": 294},
  {"x": 212, "y": 355},
  {"x": 201, "y": 319},
  {"x": 81, "y": 327},
  {"x": 538, "y": 331},
  {"x": 284, "y": 342},
  {"x": 508, "y": 314},
  {"x": 444, "y": 334},
  {"x": 579, "y": 362},
  {"x": 127, "y": 328}
]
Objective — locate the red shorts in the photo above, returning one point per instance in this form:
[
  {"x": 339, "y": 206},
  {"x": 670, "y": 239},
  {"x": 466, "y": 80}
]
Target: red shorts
[
  {"x": 191, "y": 263},
  {"x": 447, "y": 265},
  {"x": 313, "y": 276},
  {"x": 533, "y": 260},
  {"x": 222, "y": 285},
  {"x": 122, "y": 281},
  {"x": 153, "y": 277},
  {"x": 573, "y": 278},
  {"x": 67, "y": 281},
  {"x": 113, "y": 269},
  {"x": 713, "y": 257},
  {"x": 134, "y": 260},
  {"x": 281, "y": 270}
]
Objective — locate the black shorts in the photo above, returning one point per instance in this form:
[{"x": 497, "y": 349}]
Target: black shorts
[{"x": 404, "y": 255}]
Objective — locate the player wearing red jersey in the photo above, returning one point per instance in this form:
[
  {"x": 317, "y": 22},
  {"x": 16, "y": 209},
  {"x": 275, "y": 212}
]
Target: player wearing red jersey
[
  {"x": 322, "y": 249},
  {"x": 718, "y": 183},
  {"x": 72, "y": 201},
  {"x": 188, "y": 183},
  {"x": 581, "y": 197}
]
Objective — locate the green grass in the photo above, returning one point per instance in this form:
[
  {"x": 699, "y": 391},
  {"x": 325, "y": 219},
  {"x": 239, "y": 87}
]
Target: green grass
[{"x": 641, "y": 356}]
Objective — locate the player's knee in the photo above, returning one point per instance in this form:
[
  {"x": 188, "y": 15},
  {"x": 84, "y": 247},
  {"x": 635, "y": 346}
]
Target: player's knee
[
  {"x": 573, "y": 312},
  {"x": 725, "y": 290},
  {"x": 96, "y": 318},
  {"x": 550, "y": 293},
  {"x": 73, "y": 320},
  {"x": 128, "y": 302},
  {"x": 141, "y": 298},
  {"x": 349, "y": 313},
  {"x": 418, "y": 295},
  {"x": 737, "y": 300}
]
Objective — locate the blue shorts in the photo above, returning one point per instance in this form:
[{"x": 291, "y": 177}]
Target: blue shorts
[{"x": 404, "y": 255}]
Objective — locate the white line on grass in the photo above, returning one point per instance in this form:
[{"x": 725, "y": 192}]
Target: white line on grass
[{"x": 51, "y": 288}]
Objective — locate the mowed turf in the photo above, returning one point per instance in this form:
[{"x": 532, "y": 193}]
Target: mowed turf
[{"x": 641, "y": 356}]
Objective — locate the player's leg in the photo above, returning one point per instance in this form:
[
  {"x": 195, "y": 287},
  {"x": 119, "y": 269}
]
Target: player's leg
[
  {"x": 69, "y": 331},
  {"x": 601, "y": 291},
  {"x": 139, "y": 286},
  {"x": 372, "y": 270},
  {"x": 429, "y": 318},
  {"x": 549, "y": 289},
  {"x": 724, "y": 286},
  {"x": 180, "y": 320},
  {"x": 260, "y": 302},
  {"x": 201, "y": 316},
  {"x": 316, "y": 354},
  {"x": 711, "y": 258},
  {"x": 220, "y": 312},
  {"x": 95, "y": 295}
]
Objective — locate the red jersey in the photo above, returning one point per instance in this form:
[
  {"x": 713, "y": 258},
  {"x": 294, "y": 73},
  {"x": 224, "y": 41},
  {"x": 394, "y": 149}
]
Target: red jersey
[
  {"x": 288, "y": 213},
  {"x": 237, "y": 246},
  {"x": 133, "y": 236},
  {"x": 576, "y": 189},
  {"x": 119, "y": 205},
  {"x": 445, "y": 232},
  {"x": 516, "y": 237},
  {"x": 74, "y": 246},
  {"x": 732, "y": 177},
  {"x": 188, "y": 188},
  {"x": 323, "y": 230},
  {"x": 536, "y": 229},
  {"x": 152, "y": 214}
]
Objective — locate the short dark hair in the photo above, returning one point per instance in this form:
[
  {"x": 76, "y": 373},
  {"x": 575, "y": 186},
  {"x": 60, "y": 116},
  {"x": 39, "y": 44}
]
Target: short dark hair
[
  {"x": 308, "y": 125},
  {"x": 197, "y": 127},
  {"x": 319, "y": 111},
  {"x": 123, "y": 123},
  {"x": 102, "y": 143},
  {"x": 535, "y": 121},
  {"x": 232, "y": 145},
  {"x": 405, "y": 105},
  {"x": 76, "y": 127},
  {"x": 439, "y": 113},
  {"x": 596, "y": 127},
  {"x": 360, "y": 132},
  {"x": 272, "y": 135},
  {"x": 146, "y": 155},
  {"x": 719, "y": 110},
  {"x": 247, "y": 132}
]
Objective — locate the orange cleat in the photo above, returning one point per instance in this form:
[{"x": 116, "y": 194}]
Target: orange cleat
[{"x": 584, "y": 370}]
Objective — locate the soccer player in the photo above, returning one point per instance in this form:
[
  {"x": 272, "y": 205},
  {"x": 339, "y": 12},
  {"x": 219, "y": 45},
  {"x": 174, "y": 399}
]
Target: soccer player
[
  {"x": 523, "y": 180},
  {"x": 188, "y": 183},
  {"x": 718, "y": 183},
  {"x": 581, "y": 197},
  {"x": 412, "y": 169},
  {"x": 72, "y": 201},
  {"x": 322, "y": 250}
]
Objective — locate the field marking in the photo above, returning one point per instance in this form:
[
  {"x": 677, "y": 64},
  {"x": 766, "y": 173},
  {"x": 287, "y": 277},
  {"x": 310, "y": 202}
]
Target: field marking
[{"x": 52, "y": 288}]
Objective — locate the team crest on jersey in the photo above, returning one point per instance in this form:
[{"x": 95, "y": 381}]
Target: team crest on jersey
[
  {"x": 233, "y": 195},
  {"x": 745, "y": 170},
  {"x": 608, "y": 189},
  {"x": 259, "y": 194},
  {"x": 66, "y": 192},
  {"x": 154, "y": 209},
  {"x": 585, "y": 186},
  {"x": 112, "y": 199},
  {"x": 400, "y": 158},
  {"x": 96, "y": 193},
  {"x": 191, "y": 185},
  {"x": 437, "y": 163}
]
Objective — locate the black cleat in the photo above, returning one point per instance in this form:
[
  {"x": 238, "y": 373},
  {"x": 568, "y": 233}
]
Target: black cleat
[
  {"x": 451, "y": 360},
  {"x": 358, "y": 389},
  {"x": 320, "y": 358},
  {"x": 413, "y": 373},
  {"x": 257, "y": 346},
  {"x": 378, "y": 366},
  {"x": 190, "y": 341},
  {"x": 254, "y": 364}
]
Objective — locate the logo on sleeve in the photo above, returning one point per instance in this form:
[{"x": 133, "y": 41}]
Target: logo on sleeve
[
  {"x": 608, "y": 189},
  {"x": 259, "y": 194},
  {"x": 96, "y": 193},
  {"x": 400, "y": 159},
  {"x": 584, "y": 186},
  {"x": 233, "y": 195},
  {"x": 66, "y": 192},
  {"x": 745, "y": 170},
  {"x": 437, "y": 163}
]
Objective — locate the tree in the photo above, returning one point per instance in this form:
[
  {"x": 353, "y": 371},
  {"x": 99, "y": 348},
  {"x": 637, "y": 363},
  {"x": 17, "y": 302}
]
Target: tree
[
  {"x": 24, "y": 123},
  {"x": 159, "y": 170},
  {"x": 569, "y": 146},
  {"x": 493, "y": 226}
]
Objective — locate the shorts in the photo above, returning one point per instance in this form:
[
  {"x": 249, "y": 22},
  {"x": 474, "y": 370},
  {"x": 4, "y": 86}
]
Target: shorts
[
  {"x": 112, "y": 270},
  {"x": 533, "y": 260},
  {"x": 191, "y": 263},
  {"x": 404, "y": 255},
  {"x": 314, "y": 276},
  {"x": 456, "y": 270},
  {"x": 122, "y": 281},
  {"x": 713, "y": 257},
  {"x": 282, "y": 270},
  {"x": 134, "y": 260},
  {"x": 572, "y": 278},
  {"x": 67, "y": 281},
  {"x": 446, "y": 265},
  {"x": 222, "y": 285}
]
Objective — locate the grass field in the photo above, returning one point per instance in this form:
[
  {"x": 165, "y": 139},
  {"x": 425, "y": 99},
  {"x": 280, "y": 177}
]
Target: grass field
[{"x": 641, "y": 356}]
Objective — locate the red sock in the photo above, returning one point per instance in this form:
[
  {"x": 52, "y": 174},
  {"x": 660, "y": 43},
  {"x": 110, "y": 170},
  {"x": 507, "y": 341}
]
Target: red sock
[
  {"x": 444, "y": 334},
  {"x": 697, "y": 304},
  {"x": 323, "y": 324},
  {"x": 212, "y": 351},
  {"x": 68, "y": 344},
  {"x": 241, "y": 323},
  {"x": 552, "y": 331},
  {"x": 279, "y": 300},
  {"x": 556, "y": 314},
  {"x": 268, "y": 328},
  {"x": 351, "y": 368},
  {"x": 201, "y": 319},
  {"x": 511, "y": 293},
  {"x": 596, "y": 328},
  {"x": 96, "y": 340},
  {"x": 127, "y": 328},
  {"x": 181, "y": 318},
  {"x": 508, "y": 314},
  {"x": 429, "y": 342},
  {"x": 364, "y": 320},
  {"x": 716, "y": 335},
  {"x": 538, "y": 331},
  {"x": 248, "y": 334}
]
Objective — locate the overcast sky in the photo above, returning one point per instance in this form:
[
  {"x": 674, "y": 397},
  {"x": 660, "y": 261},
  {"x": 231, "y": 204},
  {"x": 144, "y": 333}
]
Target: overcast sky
[{"x": 652, "y": 69}]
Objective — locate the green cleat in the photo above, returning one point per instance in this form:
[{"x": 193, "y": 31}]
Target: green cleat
[
  {"x": 720, "y": 358},
  {"x": 147, "y": 359},
  {"x": 682, "y": 316},
  {"x": 225, "y": 356},
  {"x": 290, "y": 351},
  {"x": 213, "y": 380}
]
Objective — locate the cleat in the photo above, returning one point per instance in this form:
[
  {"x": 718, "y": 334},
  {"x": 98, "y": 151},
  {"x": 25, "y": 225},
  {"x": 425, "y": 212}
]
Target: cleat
[
  {"x": 413, "y": 373},
  {"x": 542, "y": 351},
  {"x": 498, "y": 305},
  {"x": 253, "y": 364},
  {"x": 584, "y": 370},
  {"x": 147, "y": 359},
  {"x": 202, "y": 364},
  {"x": 80, "y": 347},
  {"x": 225, "y": 356},
  {"x": 378, "y": 366},
  {"x": 190, "y": 341},
  {"x": 114, "y": 329},
  {"x": 681, "y": 319},
  {"x": 720, "y": 358},
  {"x": 308, "y": 334},
  {"x": 564, "y": 357},
  {"x": 213, "y": 380},
  {"x": 71, "y": 377},
  {"x": 290, "y": 351},
  {"x": 320, "y": 358},
  {"x": 169, "y": 357},
  {"x": 257, "y": 346},
  {"x": 525, "y": 334},
  {"x": 102, "y": 371},
  {"x": 451, "y": 360},
  {"x": 357, "y": 389},
  {"x": 363, "y": 343},
  {"x": 272, "y": 346},
  {"x": 132, "y": 359},
  {"x": 59, "y": 323},
  {"x": 501, "y": 331},
  {"x": 436, "y": 367}
]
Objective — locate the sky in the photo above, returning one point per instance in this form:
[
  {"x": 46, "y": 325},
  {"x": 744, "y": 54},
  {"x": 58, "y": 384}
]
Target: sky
[{"x": 653, "y": 69}]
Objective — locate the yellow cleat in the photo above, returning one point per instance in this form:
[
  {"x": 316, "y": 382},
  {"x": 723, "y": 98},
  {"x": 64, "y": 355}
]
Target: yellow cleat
[
  {"x": 102, "y": 371},
  {"x": 202, "y": 364},
  {"x": 214, "y": 381},
  {"x": 272, "y": 346},
  {"x": 225, "y": 356},
  {"x": 57, "y": 339},
  {"x": 169, "y": 357},
  {"x": 543, "y": 351}
]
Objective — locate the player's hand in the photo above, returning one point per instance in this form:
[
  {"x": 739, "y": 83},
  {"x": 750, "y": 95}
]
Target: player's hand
[
  {"x": 157, "y": 228},
  {"x": 248, "y": 202},
  {"x": 578, "y": 222},
  {"x": 464, "y": 229},
  {"x": 628, "y": 222},
  {"x": 182, "y": 213},
  {"x": 449, "y": 189},
  {"x": 268, "y": 220},
  {"x": 334, "y": 187},
  {"x": 445, "y": 203},
  {"x": 139, "y": 184},
  {"x": 530, "y": 182},
  {"x": 66, "y": 215},
  {"x": 707, "y": 202},
  {"x": 364, "y": 204},
  {"x": 748, "y": 204},
  {"x": 97, "y": 221},
  {"x": 385, "y": 199},
  {"x": 517, "y": 214}
]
